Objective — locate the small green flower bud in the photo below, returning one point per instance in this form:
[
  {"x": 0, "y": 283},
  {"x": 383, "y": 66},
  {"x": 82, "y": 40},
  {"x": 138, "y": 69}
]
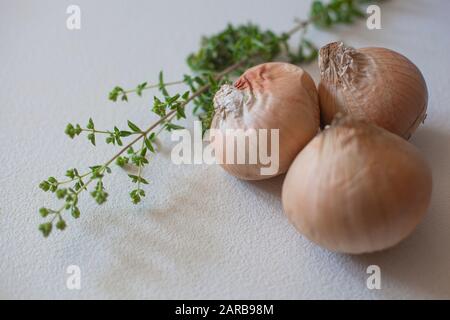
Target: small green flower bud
[
  {"x": 46, "y": 228},
  {"x": 75, "y": 212},
  {"x": 44, "y": 212},
  {"x": 52, "y": 180},
  {"x": 61, "y": 225},
  {"x": 44, "y": 185},
  {"x": 70, "y": 131},
  {"x": 61, "y": 193},
  {"x": 70, "y": 173}
]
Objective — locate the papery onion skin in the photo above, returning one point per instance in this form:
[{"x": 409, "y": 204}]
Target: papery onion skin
[
  {"x": 269, "y": 96},
  {"x": 357, "y": 188},
  {"x": 374, "y": 84}
]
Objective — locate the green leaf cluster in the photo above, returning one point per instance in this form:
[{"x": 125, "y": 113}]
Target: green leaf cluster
[
  {"x": 326, "y": 15},
  {"x": 233, "y": 44}
]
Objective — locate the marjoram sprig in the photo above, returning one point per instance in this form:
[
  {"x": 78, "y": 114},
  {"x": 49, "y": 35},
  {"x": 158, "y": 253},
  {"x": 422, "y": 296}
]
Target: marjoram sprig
[{"x": 220, "y": 57}]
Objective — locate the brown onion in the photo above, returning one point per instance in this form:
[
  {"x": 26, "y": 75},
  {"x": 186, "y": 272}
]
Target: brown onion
[
  {"x": 357, "y": 188},
  {"x": 269, "y": 96},
  {"x": 373, "y": 84}
]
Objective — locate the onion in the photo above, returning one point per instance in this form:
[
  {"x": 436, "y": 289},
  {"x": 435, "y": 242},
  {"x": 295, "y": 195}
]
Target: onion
[
  {"x": 357, "y": 188},
  {"x": 268, "y": 96},
  {"x": 373, "y": 84}
]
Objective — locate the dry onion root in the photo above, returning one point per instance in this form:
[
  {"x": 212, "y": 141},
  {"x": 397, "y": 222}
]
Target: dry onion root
[
  {"x": 268, "y": 96},
  {"x": 373, "y": 84},
  {"x": 357, "y": 188}
]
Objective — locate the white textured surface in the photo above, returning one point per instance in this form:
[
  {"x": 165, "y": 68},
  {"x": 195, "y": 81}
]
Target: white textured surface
[{"x": 200, "y": 233}]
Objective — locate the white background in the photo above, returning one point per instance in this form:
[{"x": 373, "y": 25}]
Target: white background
[{"x": 200, "y": 233}]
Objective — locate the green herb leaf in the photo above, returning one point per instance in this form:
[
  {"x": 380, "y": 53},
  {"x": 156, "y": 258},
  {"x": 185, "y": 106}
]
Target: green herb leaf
[
  {"x": 133, "y": 127},
  {"x": 140, "y": 88},
  {"x": 90, "y": 124},
  {"x": 170, "y": 126},
  {"x": 162, "y": 86},
  {"x": 125, "y": 133},
  {"x": 113, "y": 95},
  {"x": 91, "y": 138},
  {"x": 137, "y": 179},
  {"x": 149, "y": 145}
]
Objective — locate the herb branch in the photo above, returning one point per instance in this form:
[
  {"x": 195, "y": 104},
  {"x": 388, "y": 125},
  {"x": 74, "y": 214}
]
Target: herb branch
[{"x": 219, "y": 57}]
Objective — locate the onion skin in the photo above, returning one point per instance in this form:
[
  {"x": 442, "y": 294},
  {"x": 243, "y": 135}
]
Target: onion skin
[
  {"x": 357, "y": 188},
  {"x": 374, "y": 84},
  {"x": 269, "y": 96}
]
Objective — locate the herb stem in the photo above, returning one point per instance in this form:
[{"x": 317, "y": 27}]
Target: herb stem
[
  {"x": 173, "y": 83},
  {"x": 140, "y": 166},
  {"x": 76, "y": 178},
  {"x": 96, "y": 131},
  {"x": 301, "y": 24}
]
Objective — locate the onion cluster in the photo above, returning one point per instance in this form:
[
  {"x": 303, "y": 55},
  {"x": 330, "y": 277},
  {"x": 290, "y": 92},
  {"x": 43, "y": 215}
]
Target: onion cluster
[{"x": 358, "y": 186}]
